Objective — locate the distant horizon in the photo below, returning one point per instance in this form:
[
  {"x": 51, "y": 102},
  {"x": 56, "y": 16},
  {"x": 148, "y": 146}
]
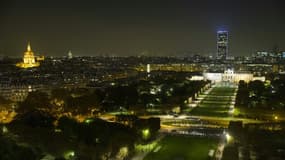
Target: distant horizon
[{"x": 144, "y": 53}]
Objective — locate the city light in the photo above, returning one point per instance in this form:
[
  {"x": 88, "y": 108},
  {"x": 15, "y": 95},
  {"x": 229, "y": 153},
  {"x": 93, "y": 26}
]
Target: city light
[
  {"x": 123, "y": 152},
  {"x": 145, "y": 134},
  {"x": 228, "y": 137},
  {"x": 69, "y": 155},
  {"x": 88, "y": 121},
  {"x": 276, "y": 117},
  {"x": 4, "y": 129},
  {"x": 143, "y": 83},
  {"x": 148, "y": 68}
]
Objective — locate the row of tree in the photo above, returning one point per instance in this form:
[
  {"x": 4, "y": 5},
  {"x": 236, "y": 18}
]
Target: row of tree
[
  {"x": 113, "y": 98},
  {"x": 261, "y": 94}
]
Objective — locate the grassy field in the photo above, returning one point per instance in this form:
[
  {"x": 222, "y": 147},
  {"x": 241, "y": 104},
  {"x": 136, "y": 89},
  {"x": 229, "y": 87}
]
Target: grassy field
[
  {"x": 183, "y": 148},
  {"x": 216, "y": 103},
  {"x": 210, "y": 111}
]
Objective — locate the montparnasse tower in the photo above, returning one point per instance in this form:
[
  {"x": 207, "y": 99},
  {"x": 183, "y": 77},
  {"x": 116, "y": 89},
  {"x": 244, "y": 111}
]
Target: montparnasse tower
[{"x": 29, "y": 60}]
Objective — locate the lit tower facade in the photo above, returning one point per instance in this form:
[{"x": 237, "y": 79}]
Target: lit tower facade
[
  {"x": 222, "y": 44},
  {"x": 29, "y": 60}
]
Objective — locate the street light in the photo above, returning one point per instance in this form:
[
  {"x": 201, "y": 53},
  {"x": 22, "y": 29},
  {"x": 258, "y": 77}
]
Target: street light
[
  {"x": 145, "y": 133},
  {"x": 88, "y": 121},
  {"x": 69, "y": 155},
  {"x": 229, "y": 138},
  {"x": 276, "y": 117},
  {"x": 4, "y": 129}
]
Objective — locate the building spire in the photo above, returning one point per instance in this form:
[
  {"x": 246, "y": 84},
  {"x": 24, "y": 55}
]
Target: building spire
[{"x": 29, "y": 47}]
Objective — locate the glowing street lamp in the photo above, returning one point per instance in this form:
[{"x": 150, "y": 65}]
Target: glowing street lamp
[
  {"x": 145, "y": 133},
  {"x": 276, "y": 117},
  {"x": 228, "y": 137},
  {"x": 123, "y": 152},
  {"x": 88, "y": 121},
  {"x": 4, "y": 129},
  {"x": 69, "y": 155}
]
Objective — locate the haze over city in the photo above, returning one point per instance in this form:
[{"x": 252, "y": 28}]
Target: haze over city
[{"x": 152, "y": 28}]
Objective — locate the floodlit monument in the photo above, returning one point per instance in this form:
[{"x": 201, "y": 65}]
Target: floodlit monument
[
  {"x": 230, "y": 76},
  {"x": 29, "y": 60}
]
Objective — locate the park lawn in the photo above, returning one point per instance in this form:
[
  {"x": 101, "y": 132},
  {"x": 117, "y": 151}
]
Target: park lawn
[
  {"x": 216, "y": 104},
  {"x": 217, "y": 98},
  {"x": 220, "y": 109},
  {"x": 211, "y": 111},
  {"x": 183, "y": 148}
]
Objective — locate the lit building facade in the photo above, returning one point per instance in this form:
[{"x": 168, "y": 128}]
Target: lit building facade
[
  {"x": 222, "y": 44},
  {"x": 29, "y": 60},
  {"x": 18, "y": 92},
  {"x": 230, "y": 76}
]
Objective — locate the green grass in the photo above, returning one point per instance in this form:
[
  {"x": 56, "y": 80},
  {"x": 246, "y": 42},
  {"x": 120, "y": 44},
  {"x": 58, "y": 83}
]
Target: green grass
[
  {"x": 217, "y": 98},
  {"x": 216, "y": 103},
  {"x": 211, "y": 111},
  {"x": 184, "y": 148}
]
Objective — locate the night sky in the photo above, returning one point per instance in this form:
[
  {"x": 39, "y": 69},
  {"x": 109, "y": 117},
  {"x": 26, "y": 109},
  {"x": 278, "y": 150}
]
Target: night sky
[{"x": 136, "y": 27}]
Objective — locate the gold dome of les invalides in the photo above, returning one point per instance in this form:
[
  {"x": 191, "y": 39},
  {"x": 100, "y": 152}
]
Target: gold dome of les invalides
[{"x": 29, "y": 60}]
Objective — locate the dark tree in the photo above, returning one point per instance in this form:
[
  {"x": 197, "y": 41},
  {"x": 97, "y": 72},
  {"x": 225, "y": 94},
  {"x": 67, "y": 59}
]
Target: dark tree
[
  {"x": 68, "y": 126},
  {"x": 35, "y": 101},
  {"x": 257, "y": 87},
  {"x": 10, "y": 150},
  {"x": 242, "y": 97},
  {"x": 34, "y": 118}
]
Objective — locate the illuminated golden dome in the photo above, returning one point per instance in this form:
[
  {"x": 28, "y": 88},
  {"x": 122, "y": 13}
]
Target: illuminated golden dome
[{"x": 29, "y": 59}]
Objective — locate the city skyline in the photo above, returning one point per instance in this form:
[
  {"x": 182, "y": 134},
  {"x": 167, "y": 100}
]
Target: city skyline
[
  {"x": 143, "y": 28},
  {"x": 142, "y": 80}
]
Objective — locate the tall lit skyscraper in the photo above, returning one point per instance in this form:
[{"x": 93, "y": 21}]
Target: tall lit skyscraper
[{"x": 222, "y": 44}]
